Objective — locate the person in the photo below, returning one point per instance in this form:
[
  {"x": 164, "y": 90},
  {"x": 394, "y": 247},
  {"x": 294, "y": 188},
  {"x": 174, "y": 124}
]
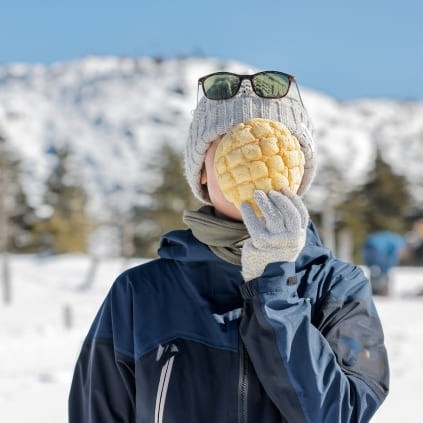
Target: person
[
  {"x": 382, "y": 251},
  {"x": 241, "y": 318}
]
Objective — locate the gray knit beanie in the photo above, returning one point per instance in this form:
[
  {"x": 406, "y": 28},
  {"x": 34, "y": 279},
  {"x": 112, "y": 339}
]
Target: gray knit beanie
[{"x": 213, "y": 118}]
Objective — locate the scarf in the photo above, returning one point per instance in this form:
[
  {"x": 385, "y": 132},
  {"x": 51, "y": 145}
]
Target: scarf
[{"x": 224, "y": 237}]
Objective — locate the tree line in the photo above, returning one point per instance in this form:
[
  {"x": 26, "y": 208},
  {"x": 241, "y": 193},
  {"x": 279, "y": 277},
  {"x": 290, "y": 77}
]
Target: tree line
[{"x": 382, "y": 203}]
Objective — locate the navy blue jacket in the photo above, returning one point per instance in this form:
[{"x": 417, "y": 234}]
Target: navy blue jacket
[{"x": 183, "y": 339}]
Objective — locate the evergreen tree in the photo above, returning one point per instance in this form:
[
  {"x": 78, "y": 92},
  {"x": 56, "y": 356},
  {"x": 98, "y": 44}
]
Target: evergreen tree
[
  {"x": 11, "y": 200},
  {"x": 24, "y": 221},
  {"x": 66, "y": 229},
  {"x": 168, "y": 201},
  {"x": 380, "y": 204},
  {"x": 17, "y": 216}
]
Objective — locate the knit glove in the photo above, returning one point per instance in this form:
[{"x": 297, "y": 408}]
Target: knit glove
[{"x": 278, "y": 236}]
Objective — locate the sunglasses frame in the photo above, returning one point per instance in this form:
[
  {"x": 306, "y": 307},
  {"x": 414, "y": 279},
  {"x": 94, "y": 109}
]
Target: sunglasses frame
[{"x": 242, "y": 77}]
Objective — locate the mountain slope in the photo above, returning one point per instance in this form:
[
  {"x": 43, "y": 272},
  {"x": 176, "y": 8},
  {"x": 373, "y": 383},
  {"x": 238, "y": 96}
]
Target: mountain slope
[{"x": 115, "y": 112}]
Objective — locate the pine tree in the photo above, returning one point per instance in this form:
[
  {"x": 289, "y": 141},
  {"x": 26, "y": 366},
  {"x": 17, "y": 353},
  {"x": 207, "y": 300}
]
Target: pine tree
[
  {"x": 5, "y": 195},
  {"x": 24, "y": 220},
  {"x": 380, "y": 204},
  {"x": 8, "y": 181},
  {"x": 12, "y": 207},
  {"x": 66, "y": 229},
  {"x": 168, "y": 201},
  {"x": 15, "y": 211}
]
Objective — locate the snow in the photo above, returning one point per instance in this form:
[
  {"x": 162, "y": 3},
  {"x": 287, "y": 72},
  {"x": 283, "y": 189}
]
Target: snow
[
  {"x": 38, "y": 346},
  {"x": 115, "y": 112}
]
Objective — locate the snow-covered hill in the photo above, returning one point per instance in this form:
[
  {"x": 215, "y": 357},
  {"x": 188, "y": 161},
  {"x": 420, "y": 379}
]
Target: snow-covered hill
[{"x": 115, "y": 112}]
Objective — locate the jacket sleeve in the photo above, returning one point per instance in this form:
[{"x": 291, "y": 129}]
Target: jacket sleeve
[
  {"x": 332, "y": 368},
  {"x": 103, "y": 387}
]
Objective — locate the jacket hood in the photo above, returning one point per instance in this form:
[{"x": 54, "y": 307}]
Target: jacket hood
[{"x": 181, "y": 245}]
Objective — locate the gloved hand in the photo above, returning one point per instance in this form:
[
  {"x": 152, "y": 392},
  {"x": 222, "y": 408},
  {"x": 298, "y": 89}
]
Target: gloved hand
[{"x": 279, "y": 235}]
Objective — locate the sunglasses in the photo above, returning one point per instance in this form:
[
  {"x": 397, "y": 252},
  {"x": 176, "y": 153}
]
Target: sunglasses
[{"x": 266, "y": 84}]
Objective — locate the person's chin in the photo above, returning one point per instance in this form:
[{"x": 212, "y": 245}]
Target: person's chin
[{"x": 229, "y": 212}]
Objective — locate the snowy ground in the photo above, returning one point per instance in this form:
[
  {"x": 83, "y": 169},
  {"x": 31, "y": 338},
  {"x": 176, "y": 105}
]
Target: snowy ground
[{"x": 42, "y": 330}]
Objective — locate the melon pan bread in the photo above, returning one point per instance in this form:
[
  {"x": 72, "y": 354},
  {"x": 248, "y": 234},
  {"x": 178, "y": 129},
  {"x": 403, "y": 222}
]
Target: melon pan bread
[{"x": 258, "y": 154}]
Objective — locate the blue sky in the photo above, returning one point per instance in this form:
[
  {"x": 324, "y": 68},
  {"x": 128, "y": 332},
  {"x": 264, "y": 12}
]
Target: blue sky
[{"x": 355, "y": 49}]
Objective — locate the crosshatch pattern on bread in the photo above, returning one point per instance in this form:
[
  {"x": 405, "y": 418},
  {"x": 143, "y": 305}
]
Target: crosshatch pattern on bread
[{"x": 258, "y": 154}]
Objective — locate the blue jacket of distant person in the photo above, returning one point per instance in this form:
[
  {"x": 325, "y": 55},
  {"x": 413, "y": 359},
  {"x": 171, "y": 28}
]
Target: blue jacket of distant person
[
  {"x": 183, "y": 339},
  {"x": 383, "y": 249}
]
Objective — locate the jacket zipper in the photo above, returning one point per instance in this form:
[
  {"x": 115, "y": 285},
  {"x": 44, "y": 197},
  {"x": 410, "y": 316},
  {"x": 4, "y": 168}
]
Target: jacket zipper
[
  {"x": 243, "y": 385},
  {"x": 162, "y": 389}
]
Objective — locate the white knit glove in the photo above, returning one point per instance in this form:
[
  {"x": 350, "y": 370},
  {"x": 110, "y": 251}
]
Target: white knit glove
[{"x": 278, "y": 236}]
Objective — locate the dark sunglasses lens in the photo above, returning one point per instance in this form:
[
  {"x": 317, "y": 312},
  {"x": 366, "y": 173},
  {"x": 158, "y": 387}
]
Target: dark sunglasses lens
[
  {"x": 271, "y": 84},
  {"x": 221, "y": 86}
]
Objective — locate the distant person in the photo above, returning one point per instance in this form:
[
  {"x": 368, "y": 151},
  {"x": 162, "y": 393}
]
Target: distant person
[{"x": 381, "y": 252}]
